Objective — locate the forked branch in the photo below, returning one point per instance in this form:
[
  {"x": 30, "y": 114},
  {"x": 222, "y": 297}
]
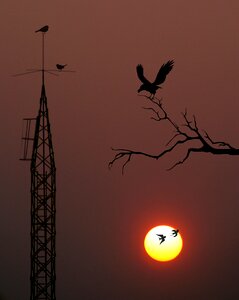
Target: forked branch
[{"x": 205, "y": 144}]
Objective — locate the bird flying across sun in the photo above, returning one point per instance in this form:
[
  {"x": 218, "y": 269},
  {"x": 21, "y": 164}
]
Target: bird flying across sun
[
  {"x": 161, "y": 238},
  {"x": 44, "y": 29},
  {"x": 175, "y": 232},
  {"x": 152, "y": 87},
  {"x": 60, "y": 67}
]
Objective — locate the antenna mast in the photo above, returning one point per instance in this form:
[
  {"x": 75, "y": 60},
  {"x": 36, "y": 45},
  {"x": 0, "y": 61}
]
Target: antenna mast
[
  {"x": 43, "y": 203},
  {"x": 43, "y": 200},
  {"x": 43, "y": 190}
]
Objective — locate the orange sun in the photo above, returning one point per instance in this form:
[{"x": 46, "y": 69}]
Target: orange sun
[{"x": 163, "y": 243}]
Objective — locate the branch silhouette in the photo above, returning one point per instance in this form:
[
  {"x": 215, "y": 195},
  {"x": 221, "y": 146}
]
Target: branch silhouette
[{"x": 183, "y": 134}]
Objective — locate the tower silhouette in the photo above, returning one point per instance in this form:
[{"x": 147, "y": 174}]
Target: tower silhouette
[
  {"x": 43, "y": 208},
  {"x": 43, "y": 199}
]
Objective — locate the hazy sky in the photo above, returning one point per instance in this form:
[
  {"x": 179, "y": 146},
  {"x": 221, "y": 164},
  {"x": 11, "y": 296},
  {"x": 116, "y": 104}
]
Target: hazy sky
[{"x": 102, "y": 216}]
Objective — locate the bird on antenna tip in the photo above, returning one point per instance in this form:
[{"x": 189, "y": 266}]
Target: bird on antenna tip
[
  {"x": 152, "y": 87},
  {"x": 44, "y": 29}
]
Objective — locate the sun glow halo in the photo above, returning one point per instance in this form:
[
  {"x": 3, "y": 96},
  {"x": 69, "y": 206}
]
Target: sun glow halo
[{"x": 166, "y": 250}]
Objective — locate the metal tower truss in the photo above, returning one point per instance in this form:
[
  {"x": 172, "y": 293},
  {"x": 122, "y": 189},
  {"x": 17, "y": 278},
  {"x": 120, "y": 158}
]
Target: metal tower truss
[{"x": 43, "y": 208}]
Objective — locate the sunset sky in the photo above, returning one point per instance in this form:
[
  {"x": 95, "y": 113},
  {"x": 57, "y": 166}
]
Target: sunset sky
[{"x": 102, "y": 216}]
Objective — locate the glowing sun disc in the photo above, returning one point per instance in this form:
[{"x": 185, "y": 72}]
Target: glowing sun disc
[{"x": 165, "y": 250}]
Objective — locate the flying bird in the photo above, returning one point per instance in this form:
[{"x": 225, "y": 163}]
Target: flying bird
[
  {"x": 60, "y": 67},
  {"x": 152, "y": 87},
  {"x": 161, "y": 238},
  {"x": 175, "y": 232},
  {"x": 44, "y": 29}
]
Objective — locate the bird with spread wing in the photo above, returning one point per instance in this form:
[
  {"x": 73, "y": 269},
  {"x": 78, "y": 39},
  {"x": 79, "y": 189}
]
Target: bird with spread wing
[
  {"x": 152, "y": 87},
  {"x": 175, "y": 232},
  {"x": 161, "y": 238}
]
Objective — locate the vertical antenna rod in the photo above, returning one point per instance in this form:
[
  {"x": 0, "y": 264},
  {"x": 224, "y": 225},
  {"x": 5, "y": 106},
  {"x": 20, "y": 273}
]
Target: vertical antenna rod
[{"x": 43, "y": 50}]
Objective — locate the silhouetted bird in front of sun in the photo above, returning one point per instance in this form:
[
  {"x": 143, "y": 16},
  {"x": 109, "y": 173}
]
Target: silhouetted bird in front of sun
[
  {"x": 44, "y": 29},
  {"x": 161, "y": 238},
  {"x": 152, "y": 87},
  {"x": 175, "y": 232},
  {"x": 60, "y": 67}
]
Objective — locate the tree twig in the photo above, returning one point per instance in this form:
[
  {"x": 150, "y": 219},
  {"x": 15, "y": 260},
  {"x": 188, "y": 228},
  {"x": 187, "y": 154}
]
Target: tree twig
[{"x": 206, "y": 143}]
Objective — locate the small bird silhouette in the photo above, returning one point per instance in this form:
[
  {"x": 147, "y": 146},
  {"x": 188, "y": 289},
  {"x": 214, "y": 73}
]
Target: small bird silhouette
[
  {"x": 175, "y": 232},
  {"x": 60, "y": 67},
  {"x": 44, "y": 29},
  {"x": 161, "y": 238},
  {"x": 152, "y": 87}
]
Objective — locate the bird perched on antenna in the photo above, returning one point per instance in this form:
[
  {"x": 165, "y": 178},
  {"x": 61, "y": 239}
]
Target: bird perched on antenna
[
  {"x": 44, "y": 29},
  {"x": 60, "y": 67},
  {"x": 152, "y": 87}
]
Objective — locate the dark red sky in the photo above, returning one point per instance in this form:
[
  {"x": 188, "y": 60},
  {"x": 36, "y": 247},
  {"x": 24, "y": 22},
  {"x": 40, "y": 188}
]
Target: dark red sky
[{"x": 102, "y": 217}]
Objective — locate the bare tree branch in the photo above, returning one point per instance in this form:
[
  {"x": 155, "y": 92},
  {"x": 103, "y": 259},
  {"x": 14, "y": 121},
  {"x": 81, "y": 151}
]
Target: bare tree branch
[{"x": 180, "y": 137}]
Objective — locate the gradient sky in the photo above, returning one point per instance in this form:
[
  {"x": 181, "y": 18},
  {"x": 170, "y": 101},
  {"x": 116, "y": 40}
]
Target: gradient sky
[{"x": 102, "y": 216}]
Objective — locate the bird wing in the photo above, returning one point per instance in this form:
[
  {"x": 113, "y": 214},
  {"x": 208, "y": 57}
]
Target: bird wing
[
  {"x": 140, "y": 73},
  {"x": 163, "y": 72}
]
